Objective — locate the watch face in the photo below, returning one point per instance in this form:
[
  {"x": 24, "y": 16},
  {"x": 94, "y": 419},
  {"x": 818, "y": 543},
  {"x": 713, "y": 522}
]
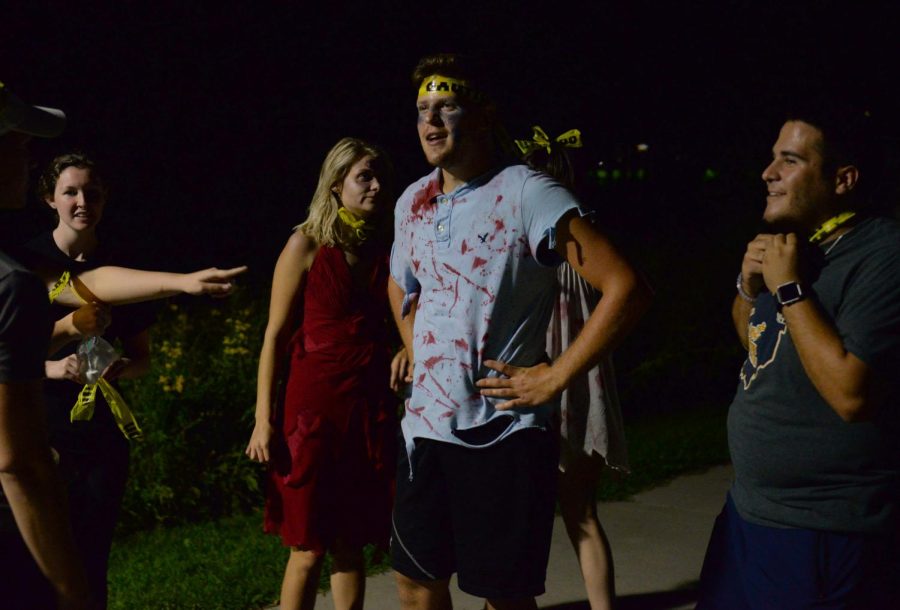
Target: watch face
[{"x": 789, "y": 293}]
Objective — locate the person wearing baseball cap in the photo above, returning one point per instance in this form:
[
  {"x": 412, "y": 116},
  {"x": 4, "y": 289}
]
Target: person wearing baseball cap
[
  {"x": 16, "y": 115},
  {"x": 33, "y": 519},
  {"x": 33, "y": 501}
]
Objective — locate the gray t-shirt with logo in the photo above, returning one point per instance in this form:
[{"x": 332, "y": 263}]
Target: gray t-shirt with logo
[{"x": 797, "y": 464}]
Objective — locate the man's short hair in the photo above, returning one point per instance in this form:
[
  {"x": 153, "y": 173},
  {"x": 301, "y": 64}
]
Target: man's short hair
[{"x": 849, "y": 137}]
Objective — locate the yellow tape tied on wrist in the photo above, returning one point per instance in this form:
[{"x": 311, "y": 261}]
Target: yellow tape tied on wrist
[{"x": 84, "y": 408}]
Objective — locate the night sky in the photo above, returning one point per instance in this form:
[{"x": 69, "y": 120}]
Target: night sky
[{"x": 211, "y": 122}]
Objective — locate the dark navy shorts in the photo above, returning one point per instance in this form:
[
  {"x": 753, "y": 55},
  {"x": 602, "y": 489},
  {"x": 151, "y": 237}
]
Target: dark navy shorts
[
  {"x": 486, "y": 514},
  {"x": 750, "y": 566}
]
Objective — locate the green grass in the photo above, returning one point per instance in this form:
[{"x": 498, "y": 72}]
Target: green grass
[
  {"x": 230, "y": 564},
  {"x": 665, "y": 446}
]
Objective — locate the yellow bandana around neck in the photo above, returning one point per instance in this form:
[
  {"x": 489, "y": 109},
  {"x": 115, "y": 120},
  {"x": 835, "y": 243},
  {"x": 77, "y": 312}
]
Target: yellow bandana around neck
[
  {"x": 84, "y": 405},
  {"x": 830, "y": 226},
  {"x": 446, "y": 85},
  {"x": 359, "y": 228}
]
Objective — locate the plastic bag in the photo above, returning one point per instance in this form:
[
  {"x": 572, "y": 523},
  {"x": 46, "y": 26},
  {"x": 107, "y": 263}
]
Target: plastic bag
[{"x": 94, "y": 355}]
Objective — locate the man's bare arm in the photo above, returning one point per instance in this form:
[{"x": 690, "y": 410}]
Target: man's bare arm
[
  {"x": 625, "y": 299},
  {"x": 842, "y": 379},
  {"x": 34, "y": 491}
]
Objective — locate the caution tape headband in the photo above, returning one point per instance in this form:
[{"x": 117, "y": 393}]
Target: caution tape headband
[{"x": 445, "y": 85}]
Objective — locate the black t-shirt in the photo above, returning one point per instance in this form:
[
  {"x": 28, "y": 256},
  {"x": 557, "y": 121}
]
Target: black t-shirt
[
  {"x": 24, "y": 335},
  {"x": 24, "y": 323},
  {"x": 60, "y": 395}
]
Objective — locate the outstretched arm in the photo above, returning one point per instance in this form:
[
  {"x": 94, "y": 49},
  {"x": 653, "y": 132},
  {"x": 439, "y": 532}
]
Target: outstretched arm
[
  {"x": 287, "y": 293},
  {"x": 625, "y": 299},
  {"x": 120, "y": 285}
]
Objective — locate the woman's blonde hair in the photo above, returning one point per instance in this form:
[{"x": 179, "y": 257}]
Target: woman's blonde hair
[{"x": 323, "y": 225}]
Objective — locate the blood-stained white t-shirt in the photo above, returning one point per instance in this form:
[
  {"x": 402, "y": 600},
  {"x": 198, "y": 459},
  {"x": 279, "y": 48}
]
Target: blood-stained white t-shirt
[{"x": 481, "y": 261}]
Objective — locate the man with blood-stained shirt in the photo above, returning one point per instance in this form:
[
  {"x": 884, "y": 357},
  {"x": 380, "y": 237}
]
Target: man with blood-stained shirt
[{"x": 472, "y": 286}]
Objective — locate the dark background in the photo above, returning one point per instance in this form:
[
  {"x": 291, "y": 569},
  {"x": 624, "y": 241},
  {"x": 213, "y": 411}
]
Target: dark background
[{"x": 211, "y": 120}]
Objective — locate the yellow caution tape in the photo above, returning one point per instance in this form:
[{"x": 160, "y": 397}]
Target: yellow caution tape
[
  {"x": 59, "y": 286},
  {"x": 84, "y": 408},
  {"x": 540, "y": 139}
]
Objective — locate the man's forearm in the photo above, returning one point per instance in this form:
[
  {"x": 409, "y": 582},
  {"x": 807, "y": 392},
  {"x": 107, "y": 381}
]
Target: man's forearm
[
  {"x": 616, "y": 314},
  {"x": 740, "y": 315},
  {"x": 35, "y": 496},
  {"x": 841, "y": 378},
  {"x": 33, "y": 489},
  {"x": 404, "y": 325}
]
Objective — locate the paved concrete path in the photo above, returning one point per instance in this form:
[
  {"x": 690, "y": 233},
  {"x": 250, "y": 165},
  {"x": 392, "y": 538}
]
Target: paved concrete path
[{"x": 658, "y": 540}]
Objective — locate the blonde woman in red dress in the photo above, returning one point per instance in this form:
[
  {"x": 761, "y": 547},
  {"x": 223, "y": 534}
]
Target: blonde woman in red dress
[{"x": 331, "y": 441}]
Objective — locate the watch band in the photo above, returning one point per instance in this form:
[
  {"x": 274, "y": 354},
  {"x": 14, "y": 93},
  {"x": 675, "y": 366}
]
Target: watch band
[{"x": 741, "y": 292}]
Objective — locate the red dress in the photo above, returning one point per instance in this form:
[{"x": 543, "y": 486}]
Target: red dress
[{"x": 334, "y": 464}]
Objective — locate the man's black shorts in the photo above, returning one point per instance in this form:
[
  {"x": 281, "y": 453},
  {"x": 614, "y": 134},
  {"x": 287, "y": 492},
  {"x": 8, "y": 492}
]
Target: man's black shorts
[{"x": 486, "y": 514}]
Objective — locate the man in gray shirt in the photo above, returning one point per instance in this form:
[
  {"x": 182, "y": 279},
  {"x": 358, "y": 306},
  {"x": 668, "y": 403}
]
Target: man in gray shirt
[{"x": 813, "y": 427}]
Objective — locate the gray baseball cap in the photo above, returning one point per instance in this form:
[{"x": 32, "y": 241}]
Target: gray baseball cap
[{"x": 16, "y": 115}]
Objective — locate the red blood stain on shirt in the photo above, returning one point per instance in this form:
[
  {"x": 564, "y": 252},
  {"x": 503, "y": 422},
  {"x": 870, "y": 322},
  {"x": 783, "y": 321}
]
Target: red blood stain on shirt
[
  {"x": 461, "y": 344},
  {"x": 478, "y": 262},
  {"x": 430, "y": 338},
  {"x": 437, "y": 274},
  {"x": 499, "y": 224},
  {"x": 473, "y": 284},
  {"x": 422, "y": 200},
  {"x": 464, "y": 248},
  {"x": 434, "y": 361},
  {"x": 415, "y": 264}
]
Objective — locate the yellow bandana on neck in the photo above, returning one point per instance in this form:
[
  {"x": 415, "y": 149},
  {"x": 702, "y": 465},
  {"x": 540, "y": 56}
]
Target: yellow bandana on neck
[
  {"x": 359, "y": 228},
  {"x": 830, "y": 226}
]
